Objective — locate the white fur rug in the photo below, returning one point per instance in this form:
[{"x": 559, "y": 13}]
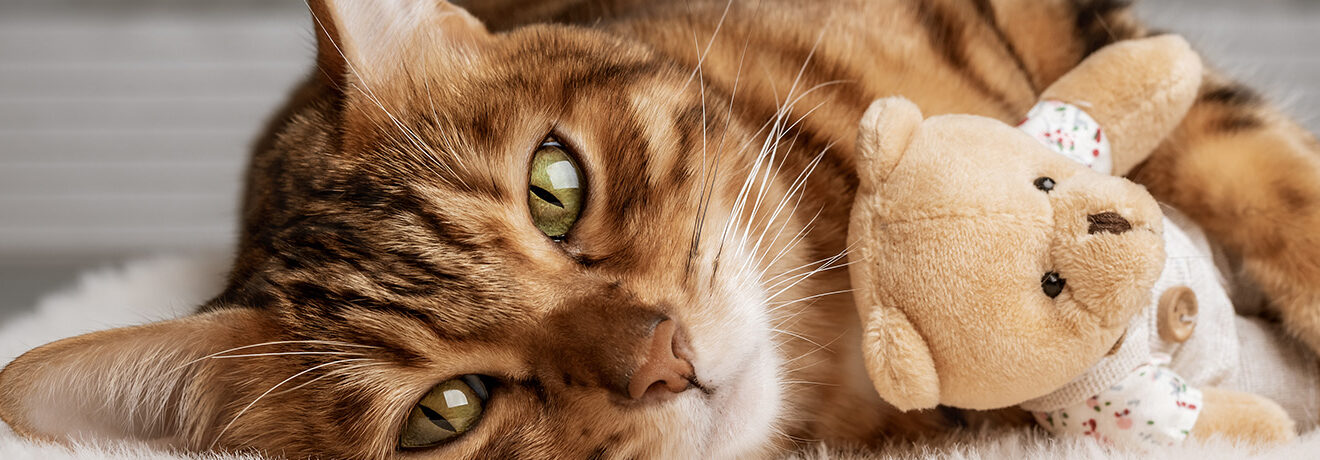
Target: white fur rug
[{"x": 166, "y": 287}]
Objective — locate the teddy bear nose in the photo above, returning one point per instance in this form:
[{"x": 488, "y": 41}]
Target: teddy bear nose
[{"x": 1108, "y": 222}]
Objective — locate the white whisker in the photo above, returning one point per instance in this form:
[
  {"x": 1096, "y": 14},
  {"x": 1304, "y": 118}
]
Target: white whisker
[
  {"x": 342, "y": 370},
  {"x": 808, "y": 383},
  {"x": 287, "y": 353},
  {"x": 263, "y": 395},
  {"x": 810, "y": 297},
  {"x": 801, "y": 278},
  {"x": 796, "y": 188},
  {"x": 702, "y": 54},
  {"x": 791, "y": 245},
  {"x": 796, "y": 336},
  {"x": 264, "y": 344}
]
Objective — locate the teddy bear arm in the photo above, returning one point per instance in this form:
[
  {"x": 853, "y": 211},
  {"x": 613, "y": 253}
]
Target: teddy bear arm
[
  {"x": 1138, "y": 90},
  {"x": 1243, "y": 417}
]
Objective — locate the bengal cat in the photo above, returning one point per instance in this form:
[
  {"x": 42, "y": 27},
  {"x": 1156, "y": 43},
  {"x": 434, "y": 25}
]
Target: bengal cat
[{"x": 609, "y": 229}]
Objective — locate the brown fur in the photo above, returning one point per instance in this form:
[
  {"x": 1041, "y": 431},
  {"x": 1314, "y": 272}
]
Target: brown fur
[{"x": 403, "y": 237}]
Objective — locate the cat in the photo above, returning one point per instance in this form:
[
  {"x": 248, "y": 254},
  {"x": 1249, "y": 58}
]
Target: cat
[{"x": 610, "y": 229}]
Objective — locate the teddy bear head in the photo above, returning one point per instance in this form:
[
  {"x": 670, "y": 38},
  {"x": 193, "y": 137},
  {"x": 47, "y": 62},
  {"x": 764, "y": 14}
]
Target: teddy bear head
[
  {"x": 991, "y": 269},
  {"x": 994, "y": 269}
]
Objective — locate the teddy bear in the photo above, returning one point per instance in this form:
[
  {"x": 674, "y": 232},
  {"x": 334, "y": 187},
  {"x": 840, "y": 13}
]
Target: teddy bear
[{"x": 999, "y": 266}]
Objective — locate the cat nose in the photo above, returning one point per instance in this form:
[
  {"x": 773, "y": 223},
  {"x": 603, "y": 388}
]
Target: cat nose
[
  {"x": 634, "y": 352},
  {"x": 1108, "y": 222},
  {"x": 665, "y": 367}
]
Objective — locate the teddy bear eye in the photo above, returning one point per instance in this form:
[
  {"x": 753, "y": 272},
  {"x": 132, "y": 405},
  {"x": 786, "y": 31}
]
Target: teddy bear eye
[
  {"x": 1045, "y": 184},
  {"x": 1052, "y": 284}
]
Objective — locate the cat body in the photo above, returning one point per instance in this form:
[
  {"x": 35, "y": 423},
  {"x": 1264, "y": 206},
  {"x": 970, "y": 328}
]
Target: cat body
[{"x": 387, "y": 247}]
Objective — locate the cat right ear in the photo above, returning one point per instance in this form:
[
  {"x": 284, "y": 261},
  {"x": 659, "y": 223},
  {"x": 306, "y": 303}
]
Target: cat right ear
[
  {"x": 148, "y": 383},
  {"x": 369, "y": 40},
  {"x": 883, "y": 137},
  {"x": 899, "y": 361}
]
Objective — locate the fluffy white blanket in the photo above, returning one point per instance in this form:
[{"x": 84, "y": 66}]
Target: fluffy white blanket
[{"x": 166, "y": 287}]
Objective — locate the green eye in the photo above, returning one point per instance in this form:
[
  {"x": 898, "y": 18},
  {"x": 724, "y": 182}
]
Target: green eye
[
  {"x": 554, "y": 190},
  {"x": 451, "y": 408}
]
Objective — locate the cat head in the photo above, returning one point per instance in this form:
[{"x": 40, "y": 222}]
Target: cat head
[{"x": 534, "y": 243}]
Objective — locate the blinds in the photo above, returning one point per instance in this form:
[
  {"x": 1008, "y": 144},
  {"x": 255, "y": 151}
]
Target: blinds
[
  {"x": 125, "y": 130},
  {"x": 124, "y": 125}
]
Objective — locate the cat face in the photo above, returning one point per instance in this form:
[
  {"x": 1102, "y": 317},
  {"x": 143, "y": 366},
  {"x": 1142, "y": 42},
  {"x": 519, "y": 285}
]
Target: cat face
[{"x": 543, "y": 243}]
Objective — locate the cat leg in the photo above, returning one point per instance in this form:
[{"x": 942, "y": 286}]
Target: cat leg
[
  {"x": 1241, "y": 417},
  {"x": 1251, "y": 177},
  {"x": 1237, "y": 166}
]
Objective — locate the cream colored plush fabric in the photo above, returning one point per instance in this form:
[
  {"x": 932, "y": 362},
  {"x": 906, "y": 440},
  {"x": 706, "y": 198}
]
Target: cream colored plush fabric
[
  {"x": 1279, "y": 368},
  {"x": 1209, "y": 357}
]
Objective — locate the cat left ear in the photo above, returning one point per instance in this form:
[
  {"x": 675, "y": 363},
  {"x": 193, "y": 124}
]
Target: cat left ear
[
  {"x": 147, "y": 383},
  {"x": 367, "y": 40}
]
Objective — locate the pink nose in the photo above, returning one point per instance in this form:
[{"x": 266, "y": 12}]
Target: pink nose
[{"x": 665, "y": 368}]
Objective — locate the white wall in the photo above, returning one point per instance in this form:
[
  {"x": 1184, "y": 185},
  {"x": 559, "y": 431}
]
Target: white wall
[{"x": 125, "y": 131}]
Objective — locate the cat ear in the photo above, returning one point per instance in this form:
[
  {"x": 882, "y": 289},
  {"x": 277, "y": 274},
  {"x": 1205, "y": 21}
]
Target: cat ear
[
  {"x": 149, "y": 383},
  {"x": 367, "y": 40},
  {"x": 883, "y": 137},
  {"x": 899, "y": 361}
]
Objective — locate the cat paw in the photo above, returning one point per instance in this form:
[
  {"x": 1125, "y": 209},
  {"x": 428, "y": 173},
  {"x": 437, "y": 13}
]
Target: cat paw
[{"x": 1242, "y": 417}]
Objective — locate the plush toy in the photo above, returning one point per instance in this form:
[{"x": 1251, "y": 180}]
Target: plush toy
[{"x": 997, "y": 266}]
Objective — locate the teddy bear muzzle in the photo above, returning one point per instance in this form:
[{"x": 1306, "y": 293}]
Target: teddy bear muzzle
[{"x": 1108, "y": 245}]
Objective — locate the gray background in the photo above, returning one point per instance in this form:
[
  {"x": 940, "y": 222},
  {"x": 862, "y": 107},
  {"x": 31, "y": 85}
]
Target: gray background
[{"x": 124, "y": 124}]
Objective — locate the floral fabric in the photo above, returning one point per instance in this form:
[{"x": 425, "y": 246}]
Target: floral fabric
[
  {"x": 1150, "y": 407},
  {"x": 1070, "y": 131}
]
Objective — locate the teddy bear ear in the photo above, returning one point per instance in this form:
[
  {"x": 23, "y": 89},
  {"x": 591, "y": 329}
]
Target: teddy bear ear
[
  {"x": 899, "y": 361},
  {"x": 883, "y": 137}
]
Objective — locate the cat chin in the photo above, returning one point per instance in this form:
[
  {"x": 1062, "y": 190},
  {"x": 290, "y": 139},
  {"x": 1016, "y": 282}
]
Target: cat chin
[
  {"x": 751, "y": 404},
  {"x": 736, "y": 361}
]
